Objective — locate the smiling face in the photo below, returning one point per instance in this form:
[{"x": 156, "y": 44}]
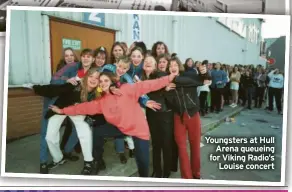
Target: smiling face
[
  {"x": 104, "y": 83},
  {"x": 149, "y": 64},
  {"x": 122, "y": 68},
  {"x": 136, "y": 57},
  {"x": 100, "y": 59},
  {"x": 93, "y": 80},
  {"x": 160, "y": 49},
  {"x": 69, "y": 56},
  {"x": 118, "y": 51},
  {"x": 87, "y": 60}
]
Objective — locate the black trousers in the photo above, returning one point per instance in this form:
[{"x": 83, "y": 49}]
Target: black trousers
[
  {"x": 247, "y": 96},
  {"x": 165, "y": 152},
  {"x": 203, "y": 101},
  {"x": 277, "y": 93},
  {"x": 216, "y": 95},
  {"x": 259, "y": 96}
]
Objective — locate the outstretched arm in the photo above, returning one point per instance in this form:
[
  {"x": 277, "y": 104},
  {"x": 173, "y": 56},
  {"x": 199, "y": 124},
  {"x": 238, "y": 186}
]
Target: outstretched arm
[
  {"x": 144, "y": 98},
  {"x": 147, "y": 86},
  {"x": 52, "y": 91},
  {"x": 87, "y": 108}
]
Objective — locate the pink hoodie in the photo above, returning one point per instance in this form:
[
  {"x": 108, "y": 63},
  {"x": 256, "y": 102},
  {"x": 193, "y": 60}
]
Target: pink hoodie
[{"x": 122, "y": 111}]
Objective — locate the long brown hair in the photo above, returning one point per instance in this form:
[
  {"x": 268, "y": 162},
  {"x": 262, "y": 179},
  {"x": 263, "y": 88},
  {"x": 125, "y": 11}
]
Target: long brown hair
[
  {"x": 177, "y": 60},
  {"x": 112, "y": 57},
  {"x": 83, "y": 84},
  {"x": 62, "y": 63}
]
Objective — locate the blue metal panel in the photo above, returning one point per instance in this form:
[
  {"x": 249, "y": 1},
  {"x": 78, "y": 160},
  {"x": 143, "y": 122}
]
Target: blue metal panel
[{"x": 94, "y": 18}]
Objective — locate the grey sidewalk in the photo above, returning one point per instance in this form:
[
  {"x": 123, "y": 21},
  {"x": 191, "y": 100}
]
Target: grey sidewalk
[{"x": 22, "y": 156}]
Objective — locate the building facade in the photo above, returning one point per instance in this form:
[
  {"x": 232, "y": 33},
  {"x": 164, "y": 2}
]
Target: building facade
[
  {"x": 37, "y": 39},
  {"x": 275, "y": 49}
]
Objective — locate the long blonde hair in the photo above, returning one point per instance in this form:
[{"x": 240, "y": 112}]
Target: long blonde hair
[{"x": 83, "y": 85}]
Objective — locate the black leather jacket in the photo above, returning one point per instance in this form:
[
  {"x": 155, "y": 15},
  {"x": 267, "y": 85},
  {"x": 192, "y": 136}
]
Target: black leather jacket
[
  {"x": 184, "y": 99},
  {"x": 159, "y": 96}
]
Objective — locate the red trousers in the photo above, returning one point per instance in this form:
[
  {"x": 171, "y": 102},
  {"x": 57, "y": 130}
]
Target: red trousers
[{"x": 190, "y": 169}]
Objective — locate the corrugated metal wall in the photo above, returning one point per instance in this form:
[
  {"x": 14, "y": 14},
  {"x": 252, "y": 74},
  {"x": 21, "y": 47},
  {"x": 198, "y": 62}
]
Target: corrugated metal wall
[{"x": 197, "y": 37}]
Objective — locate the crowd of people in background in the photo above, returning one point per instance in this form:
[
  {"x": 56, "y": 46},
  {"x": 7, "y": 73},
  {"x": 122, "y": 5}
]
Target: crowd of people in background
[{"x": 154, "y": 95}]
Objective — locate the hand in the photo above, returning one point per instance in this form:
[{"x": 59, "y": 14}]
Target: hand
[
  {"x": 171, "y": 86},
  {"x": 73, "y": 81},
  {"x": 153, "y": 105},
  {"x": 115, "y": 91},
  {"x": 55, "y": 109},
  {"x": 203, "y": 69},
  {"x": 206, "y": 82},
  {"x": 171, "y": 77},
  {"x": 137, "y": 79},
  {"x": 28, "y": 85}
]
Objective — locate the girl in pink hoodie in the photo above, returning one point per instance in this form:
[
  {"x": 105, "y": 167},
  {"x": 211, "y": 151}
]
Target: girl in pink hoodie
[{"x": 124, "y": 112}]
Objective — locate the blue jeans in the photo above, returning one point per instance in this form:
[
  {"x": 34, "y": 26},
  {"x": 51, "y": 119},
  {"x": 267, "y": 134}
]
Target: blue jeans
[
  {"x": 141, "y": 146},
  {"x": 72, "y": 141},
  {"x": 120, "y": 144}
]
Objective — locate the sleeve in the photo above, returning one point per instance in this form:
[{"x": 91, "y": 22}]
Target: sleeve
[
  {"x": 224, "y": 77},
  {"x": 183, "y": 81},
  {"x": 271, "y": 74},
  {"x": 144, "y": 98},
  {"x": 136, "y": 90},
  {"x": 86, "y": 108},
  {"x": 52, "y": 90},
  {"x": 61, "y": 76}
]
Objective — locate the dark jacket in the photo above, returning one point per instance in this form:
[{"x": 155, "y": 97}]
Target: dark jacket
[
  {"x": 159, "y": 96},
  {"x": 67, "y": 94},
  {"x": 247, "y": 81},
  {"x": 185, "y": 98}
]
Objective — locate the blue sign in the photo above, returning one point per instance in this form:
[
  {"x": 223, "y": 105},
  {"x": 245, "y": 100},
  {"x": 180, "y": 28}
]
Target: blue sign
[{"x": 94, "y": 19}]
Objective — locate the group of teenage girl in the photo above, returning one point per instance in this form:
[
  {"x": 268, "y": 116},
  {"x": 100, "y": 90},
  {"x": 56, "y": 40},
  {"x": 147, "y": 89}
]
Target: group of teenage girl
[{"x": 133, "y": 95}]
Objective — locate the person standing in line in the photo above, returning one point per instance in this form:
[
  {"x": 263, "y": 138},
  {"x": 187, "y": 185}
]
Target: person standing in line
[
  {"x": 203, "y": 91},
  {"x": 219, "y": 79},
  {"x": 276, "y": 89},
  {"x": 234, "y": 86},
  {"x": 247, "y": 83},
  {"x": 162, "y": 66},
  {"x": 260, "y": 87},
  {"x": 183, "y": 100}
]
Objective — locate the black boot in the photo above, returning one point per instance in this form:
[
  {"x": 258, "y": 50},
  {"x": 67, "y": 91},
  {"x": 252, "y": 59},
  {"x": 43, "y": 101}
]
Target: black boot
[
  {"x": 70, "y": 157},
  {"x": 123, "y": 158},
  {"x": 88, "y": 168},
  {"x": 98, "y": 166},
  {"x": 132, "y": 153},
  {"x": 44, "y": 168}
]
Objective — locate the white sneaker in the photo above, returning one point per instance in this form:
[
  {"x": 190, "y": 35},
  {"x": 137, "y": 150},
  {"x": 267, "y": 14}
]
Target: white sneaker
[
  {"x": 28, "y": 85},
  {"x": 232, "y": 105},
  {"x": 235, "y": 105}
]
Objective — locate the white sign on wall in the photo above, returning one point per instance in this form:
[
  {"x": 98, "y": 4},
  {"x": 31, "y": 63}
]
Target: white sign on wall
[{"x": 136, "y": 27}]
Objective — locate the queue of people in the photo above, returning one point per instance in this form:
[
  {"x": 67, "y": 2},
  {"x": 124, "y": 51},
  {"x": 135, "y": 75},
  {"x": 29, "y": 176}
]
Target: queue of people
[{"x": 133, "y": 95}]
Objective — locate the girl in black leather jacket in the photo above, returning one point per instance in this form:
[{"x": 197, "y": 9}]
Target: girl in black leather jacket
[{"x": 183, "y": 100}]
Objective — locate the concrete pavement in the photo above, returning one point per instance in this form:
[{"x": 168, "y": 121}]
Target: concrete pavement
[
  {"x": 22, "y": 156},
  {"x": 249, "y": 123}
]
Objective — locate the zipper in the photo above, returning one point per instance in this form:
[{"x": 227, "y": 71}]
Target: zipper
[
  {"x": 178, "y": 98},
  {"x": 191, "y": 99},
  {"x": 182, "y": 89}
]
